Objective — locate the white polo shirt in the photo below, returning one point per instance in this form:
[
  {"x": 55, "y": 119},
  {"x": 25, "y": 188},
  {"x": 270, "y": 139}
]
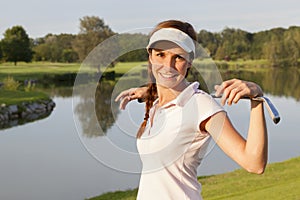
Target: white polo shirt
[{"x": 173, "y": 146}]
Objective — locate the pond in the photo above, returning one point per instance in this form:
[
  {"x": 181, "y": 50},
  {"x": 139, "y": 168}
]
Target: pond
[{"x": 66, "y": 156}]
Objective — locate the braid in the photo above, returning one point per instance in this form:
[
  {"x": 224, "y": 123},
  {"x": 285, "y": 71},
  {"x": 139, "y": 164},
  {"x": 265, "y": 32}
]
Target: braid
[{"x": 150, "y": 98}]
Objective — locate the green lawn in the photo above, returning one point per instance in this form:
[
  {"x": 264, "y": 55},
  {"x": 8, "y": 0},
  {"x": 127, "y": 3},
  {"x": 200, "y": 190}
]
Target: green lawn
[
  {"x": 36, "y": 70},
  {"x": 16, "y": 97},
  {"x": 280, "y": 181}
]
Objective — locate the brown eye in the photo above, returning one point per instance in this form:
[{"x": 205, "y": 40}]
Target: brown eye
[
  {"x": 159, "y": 54},
  {"x": 179, "y": 57}
]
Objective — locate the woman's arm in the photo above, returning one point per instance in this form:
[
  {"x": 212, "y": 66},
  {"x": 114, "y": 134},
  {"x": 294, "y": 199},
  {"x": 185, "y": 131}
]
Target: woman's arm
[{"x": 251, "y": 153}]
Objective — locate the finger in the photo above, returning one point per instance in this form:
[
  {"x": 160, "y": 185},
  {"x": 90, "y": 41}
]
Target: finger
[
  {"x": 219, "y": 90},
  {"x": 231, "y": 88},
  {"x": 122, "y": 95},
  {"x": 229, "y": 82},
  {"x": 242, "y": 93},
  {"x": 233, "y": 96},
  {"x": 124, "y": 102},
  {"x": 225, "y": 95}
]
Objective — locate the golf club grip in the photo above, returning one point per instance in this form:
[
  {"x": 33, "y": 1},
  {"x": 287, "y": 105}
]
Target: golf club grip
[
  {"x": 271, "y": 108},
  {"x": 274, "y": 114}
]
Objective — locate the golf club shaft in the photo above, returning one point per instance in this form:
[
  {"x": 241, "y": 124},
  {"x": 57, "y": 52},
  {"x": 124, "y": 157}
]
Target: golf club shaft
[{"x": 273, "y": 112}]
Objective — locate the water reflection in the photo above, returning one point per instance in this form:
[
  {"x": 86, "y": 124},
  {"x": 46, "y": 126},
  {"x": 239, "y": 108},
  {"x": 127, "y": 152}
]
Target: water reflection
[
  {"x": 101, "y": 103},
  {"x": 278, "y": 82},
  {"x": 94, "y": 103}
]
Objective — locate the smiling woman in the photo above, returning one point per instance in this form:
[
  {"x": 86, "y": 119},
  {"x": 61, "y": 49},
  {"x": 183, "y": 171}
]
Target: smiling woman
[{"x": 180, "y": 119}]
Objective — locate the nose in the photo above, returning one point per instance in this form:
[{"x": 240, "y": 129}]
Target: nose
[{"x": 169, "y": 61}]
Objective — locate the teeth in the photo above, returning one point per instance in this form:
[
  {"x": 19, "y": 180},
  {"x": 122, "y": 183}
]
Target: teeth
[{"x": 168, "y": 75}]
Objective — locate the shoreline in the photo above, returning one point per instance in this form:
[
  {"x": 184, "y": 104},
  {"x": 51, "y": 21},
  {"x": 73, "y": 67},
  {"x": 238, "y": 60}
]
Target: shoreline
[{"x": 17, "y": 114}]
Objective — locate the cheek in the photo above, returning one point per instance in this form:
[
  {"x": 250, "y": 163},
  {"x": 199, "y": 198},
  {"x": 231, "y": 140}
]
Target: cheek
[
  {"x": 156, "y": 67},
  {"x": 183, "y": 69}
]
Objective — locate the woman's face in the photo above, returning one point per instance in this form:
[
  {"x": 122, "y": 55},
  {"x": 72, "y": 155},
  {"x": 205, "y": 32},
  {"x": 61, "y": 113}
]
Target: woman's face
[{"x": 169, "y": 64}]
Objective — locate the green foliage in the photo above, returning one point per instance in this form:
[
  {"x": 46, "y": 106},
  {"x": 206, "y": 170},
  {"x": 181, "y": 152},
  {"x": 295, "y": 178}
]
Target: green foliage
[
  {"x": 69, "y": 56},
  {"x": 0, "y": 51},
  {"x": 235, "y": 43},
  {"x": 280, "y": 46},
  {"x": 131, "y": 46},
  {"x": 93, "y": 30},
  {"x": 55, "y": 48},
  {"x": 29, "y": 87},
  {"x": 9, "y": 83},
  {"x": 16, "y": 45}
]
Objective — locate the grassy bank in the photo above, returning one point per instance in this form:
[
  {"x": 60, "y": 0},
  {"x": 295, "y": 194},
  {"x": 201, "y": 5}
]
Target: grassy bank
[
  {"x": 17, "y": 97},
  {"x": 38, "y": 70},
  {"x": 280, "y": 181},
  {"x": 35, "y": 70}
]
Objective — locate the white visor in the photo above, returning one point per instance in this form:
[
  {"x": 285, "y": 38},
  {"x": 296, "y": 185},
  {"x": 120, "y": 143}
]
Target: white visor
[{"x": 176, "y": 36}]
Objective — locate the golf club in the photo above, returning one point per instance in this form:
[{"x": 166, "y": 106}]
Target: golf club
[{"x": 273, "y": 112}]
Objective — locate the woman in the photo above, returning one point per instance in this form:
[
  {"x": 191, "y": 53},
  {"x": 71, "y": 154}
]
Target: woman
[{"x": 180, "y": 120}]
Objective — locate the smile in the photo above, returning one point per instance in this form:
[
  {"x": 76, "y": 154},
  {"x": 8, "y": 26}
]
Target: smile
[{"x": 169, "y": 76}]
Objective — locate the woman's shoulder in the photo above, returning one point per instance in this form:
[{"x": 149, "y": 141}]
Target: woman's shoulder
[
  {"x": 205, "y": 100},
  {"x": 201, "y": 94}
]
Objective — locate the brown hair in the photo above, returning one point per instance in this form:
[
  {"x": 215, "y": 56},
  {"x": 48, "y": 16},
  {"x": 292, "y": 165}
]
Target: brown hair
[{"x": 152, "y": 90}]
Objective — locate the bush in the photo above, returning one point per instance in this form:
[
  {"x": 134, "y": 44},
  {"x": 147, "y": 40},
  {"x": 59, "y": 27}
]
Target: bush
[
  {"x": 29, "y": 86},
  {"x": 10, "y": 83}
]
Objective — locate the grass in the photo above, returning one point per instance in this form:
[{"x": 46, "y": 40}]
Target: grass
[
  {"x": 16, "y": 97},
  {"x": 36, "y": 70},
  {"x": 122, "y": 68},
  {"x": 280, "y": 181},
  {"x": 38, "y": 67}
]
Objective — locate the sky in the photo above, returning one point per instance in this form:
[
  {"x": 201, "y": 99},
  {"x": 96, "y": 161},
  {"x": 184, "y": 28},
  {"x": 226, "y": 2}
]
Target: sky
[{"x": 40, "y": 17}]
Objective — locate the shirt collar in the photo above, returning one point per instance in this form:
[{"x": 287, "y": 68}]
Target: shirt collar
[{"x": 183, "y": 97}]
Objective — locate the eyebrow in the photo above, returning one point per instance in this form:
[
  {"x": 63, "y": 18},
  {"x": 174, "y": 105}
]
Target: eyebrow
[{"x": 183, "y": 53}]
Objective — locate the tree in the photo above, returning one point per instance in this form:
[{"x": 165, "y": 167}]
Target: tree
[
  {"x": 210, "y": 41},
  {"x": 0, "y": 51},
  {"x": 16, "y": 45},
  {"x": 55, "y": 48},
  {"x": 235, "y": 43},
  {"x": 291, "y": 45},
  {"x": 93, "y": 30}
]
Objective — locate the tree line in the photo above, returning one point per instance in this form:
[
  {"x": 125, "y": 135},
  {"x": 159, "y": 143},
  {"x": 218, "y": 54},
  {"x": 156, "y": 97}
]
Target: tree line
[{"x": 279, "y": 45}]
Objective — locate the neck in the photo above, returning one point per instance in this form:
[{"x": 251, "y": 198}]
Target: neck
[{"x": 166, "y": 95}]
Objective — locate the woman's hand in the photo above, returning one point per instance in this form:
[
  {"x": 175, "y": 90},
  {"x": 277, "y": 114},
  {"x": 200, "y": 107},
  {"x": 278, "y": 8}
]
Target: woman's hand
[
  {"x": 233, "y": 90},
  {"x": 131, "y": 94}
]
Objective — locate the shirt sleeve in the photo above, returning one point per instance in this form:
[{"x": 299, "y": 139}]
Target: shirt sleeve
[{"x": 206, "y": 106}]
